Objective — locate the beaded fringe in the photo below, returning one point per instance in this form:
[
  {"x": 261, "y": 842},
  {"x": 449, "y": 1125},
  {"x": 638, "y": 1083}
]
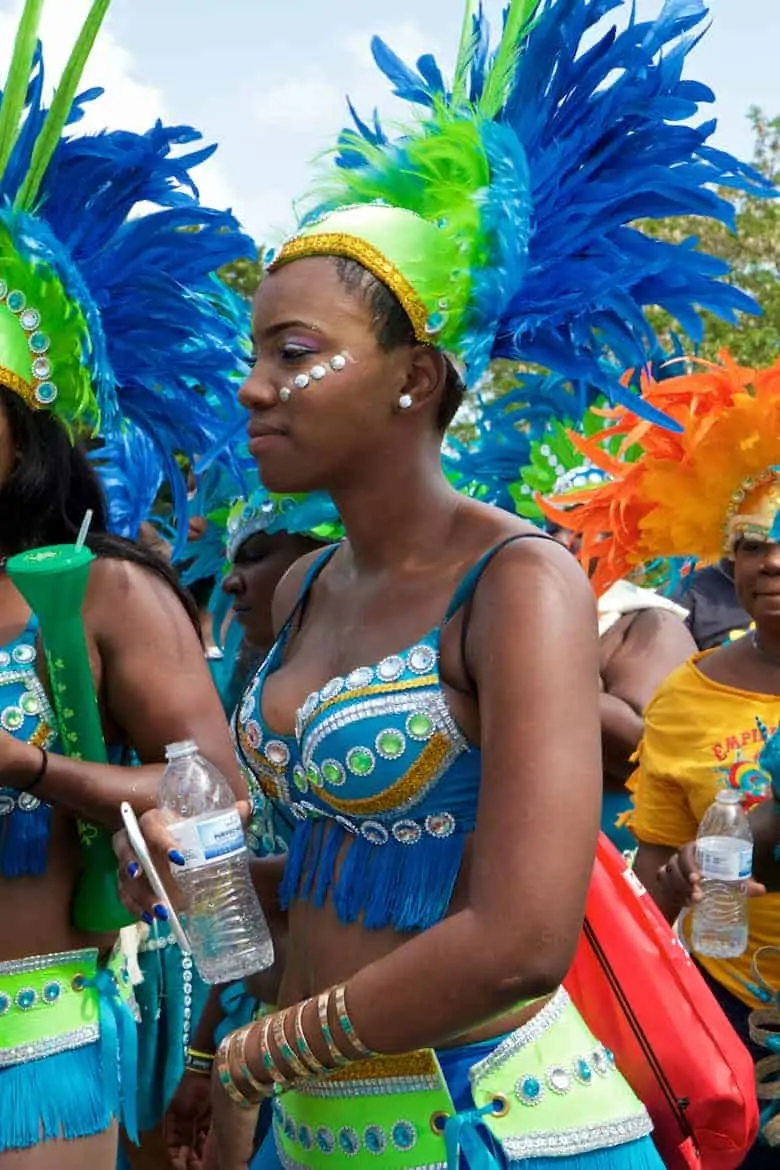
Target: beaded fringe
[
  {"x": 24, "y": 842},
  {"x": 408, "y": 887},
  {"x": 67, "y": 1095}
]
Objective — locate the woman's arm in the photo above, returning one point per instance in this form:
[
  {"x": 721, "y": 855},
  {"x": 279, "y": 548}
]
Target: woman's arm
[
  {"x": 532, "y": 650},
  {"x": 656, "y": 642},
  {"x": 155, "y": 688}
]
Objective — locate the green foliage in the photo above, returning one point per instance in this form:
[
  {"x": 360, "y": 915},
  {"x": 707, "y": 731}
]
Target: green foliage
[
  {"x": 753, "y": 254},
  {"x": 243, "y": 276}
]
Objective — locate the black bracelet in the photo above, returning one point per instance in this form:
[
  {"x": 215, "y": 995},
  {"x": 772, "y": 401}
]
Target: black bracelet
[
  {"x": 199, "y": 1062},
  {"x": 41, "y": 773}
]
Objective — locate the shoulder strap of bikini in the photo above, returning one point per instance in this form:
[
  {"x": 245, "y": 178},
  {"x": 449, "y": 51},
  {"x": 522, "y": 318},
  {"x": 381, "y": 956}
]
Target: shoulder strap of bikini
[
  {"x": 313, "y": 572},
  {"x": 466, "y": 586}
]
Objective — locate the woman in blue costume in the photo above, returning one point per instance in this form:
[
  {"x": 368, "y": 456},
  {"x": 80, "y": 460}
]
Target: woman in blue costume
[
  {"x": 429, "y": 712},
  {"x": 261, "y": 535},
  {"x": 82, "y": 282}
]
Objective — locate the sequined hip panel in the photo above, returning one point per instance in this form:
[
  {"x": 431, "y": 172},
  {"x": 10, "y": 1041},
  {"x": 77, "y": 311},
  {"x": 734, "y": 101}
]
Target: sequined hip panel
[
  {"x": 548, "y": 1089},
  {"x": 51, "y": 1003}
]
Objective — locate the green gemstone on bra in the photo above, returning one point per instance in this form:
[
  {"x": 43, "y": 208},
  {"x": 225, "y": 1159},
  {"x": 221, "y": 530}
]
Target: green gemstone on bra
[
  {"x": 300, "y": 781},
  {"x": 314, "y": 776},
  {"x": 390, "y": 744},
  {"x": 332, "y": 772},
  {"x": 360, "y": 761},
  {"x": 420, "y": 726}
]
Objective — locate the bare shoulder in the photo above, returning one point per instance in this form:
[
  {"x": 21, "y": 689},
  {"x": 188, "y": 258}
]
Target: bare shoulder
[{"x": 122, "y": 595}]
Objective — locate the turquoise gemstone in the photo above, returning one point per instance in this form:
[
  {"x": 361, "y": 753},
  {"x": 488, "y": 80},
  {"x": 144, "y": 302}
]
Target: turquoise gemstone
[
  {"x": 374, "y": 1139},
  {"x": 25, "y": 998},
  {"x": 5, "y": 1004},
  {"x": 529, "y": 1090},
  {"x": 16, "y": 301},
  {"x": 349, "y": 1141},
  {"x": 38, "y": 342},
  {"x": 584, "y": 1071},
  {"x": 403, "y": 1135},
  {"x": 51, "y": 992}
]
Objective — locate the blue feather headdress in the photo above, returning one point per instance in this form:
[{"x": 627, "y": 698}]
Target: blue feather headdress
[
  {"x": 144, "y": 342},
  {"x": 527, "y": 174}
]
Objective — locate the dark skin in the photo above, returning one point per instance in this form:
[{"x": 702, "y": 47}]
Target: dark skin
[
  {"x": 387, "y": 585},
  {"x": 259, "y": 564},
  {"x": 635, "y": 656},
  {"x": 131, "y": 619},
  {"x": 741, "y": 664}
]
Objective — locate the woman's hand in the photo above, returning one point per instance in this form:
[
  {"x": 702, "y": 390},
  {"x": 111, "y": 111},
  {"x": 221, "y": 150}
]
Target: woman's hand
[
  {"x": 187, "y": 1120},
  {"x": 680, "y": 879},
  {"x": 134, "y": 890}
]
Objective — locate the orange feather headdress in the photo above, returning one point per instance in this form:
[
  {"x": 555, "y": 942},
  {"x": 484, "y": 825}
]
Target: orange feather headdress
[{"x": 692, "y": 492}]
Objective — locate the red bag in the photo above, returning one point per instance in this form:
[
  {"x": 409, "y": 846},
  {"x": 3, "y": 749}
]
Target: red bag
[{"x": 640, "y": 993}]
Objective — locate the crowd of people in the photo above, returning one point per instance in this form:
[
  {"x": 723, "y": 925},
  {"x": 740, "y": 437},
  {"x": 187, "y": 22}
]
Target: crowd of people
[{"x": 430, "y": 669}]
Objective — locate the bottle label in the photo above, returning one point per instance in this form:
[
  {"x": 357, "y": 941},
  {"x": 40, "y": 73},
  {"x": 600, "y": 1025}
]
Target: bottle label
[
  {"x": 725, "y": 858},
  {"x": 214, "y": 839}
]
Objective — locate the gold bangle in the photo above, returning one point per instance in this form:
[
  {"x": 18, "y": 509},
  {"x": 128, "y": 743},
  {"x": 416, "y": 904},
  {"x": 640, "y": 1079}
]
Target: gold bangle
[
  {"x": 267, "y": 1057},
  {"x": 262, "y": 1088},
  {"x": 345, "y": 1023},
  {"x": 285, "y": 1048},
  {"x": 226, "y": 1078},
  {"x": 323, "y": 1002},
  {"x": 304, "y": 1048}
]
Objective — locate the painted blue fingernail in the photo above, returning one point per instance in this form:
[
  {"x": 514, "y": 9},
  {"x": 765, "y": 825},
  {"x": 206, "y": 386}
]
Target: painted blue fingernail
[
  {"x": 161, "y": 912},
  {"x": 176, "y": 857},
  {"x": 147, "y": 918},
  {"x": 133, "y": 869}
]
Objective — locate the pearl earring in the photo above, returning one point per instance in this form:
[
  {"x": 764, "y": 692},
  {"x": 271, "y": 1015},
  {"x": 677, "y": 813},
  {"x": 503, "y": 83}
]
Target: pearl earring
[
  {"x": 285, "y": 394},
  {"x": 405, "y": 401}
]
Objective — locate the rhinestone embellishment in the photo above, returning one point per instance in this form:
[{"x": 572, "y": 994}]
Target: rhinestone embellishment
[
  {"x": 360, "y": 761},
  {"x": 5, "y": 1004},
  {"x": 349, "y": 1142},
  {"x": 390, "y": 744},
  {"x": 582, "y": 1071},
  {"x": 390, "y": 669},
  {"x": 422, "y": 659},
  {"x": 374, "y": 833},
  {"x": 51, "y": 992},
  {"x": 277, "y": 753},
  {"x": 24, "y": 655},
  {"x": 362, "y": 677},
  {"x": 403, "y": 1135},
  {"x": 25, "y": 998},
  {"x": 318, "y": 373},
  {"x": 419, "y": 726},
  {"x": 12, "y": 719},
  {"x": 529, "y": 1090},
  {"x": 301, "y": 381},
  {"x": 338, "y": 362},
  {"x": 333, "y": 773},
  {"x": 559, "y": 1079},
  {"x": 30, "y": 319},
  {"x": 407, "y": 832},
  {"x": 375, "y": 1139}
]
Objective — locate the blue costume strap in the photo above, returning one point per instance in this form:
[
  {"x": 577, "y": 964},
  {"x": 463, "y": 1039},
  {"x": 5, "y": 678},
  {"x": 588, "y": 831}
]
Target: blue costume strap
[
  {"x": 118, "y": 1034},
  {"x": 312, "y": 574},
  {"x": 468, "y": 584}
]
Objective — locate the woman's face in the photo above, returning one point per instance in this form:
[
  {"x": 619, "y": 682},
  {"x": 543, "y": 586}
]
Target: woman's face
[
  {"x": 7, "y": 447},
  {"x": 257, "y": 568},
  {"x": 303, "y": 318},
  {"x": 757, "y": 579}
]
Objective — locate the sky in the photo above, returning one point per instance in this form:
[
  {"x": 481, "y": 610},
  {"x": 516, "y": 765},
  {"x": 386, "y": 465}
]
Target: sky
[{"x": 267, "y": 79}]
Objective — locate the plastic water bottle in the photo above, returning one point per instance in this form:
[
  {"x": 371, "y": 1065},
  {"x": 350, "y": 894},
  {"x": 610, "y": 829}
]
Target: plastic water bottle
[
  {"x": 724, "y": 857},
  {"x": 225, "y": 923}
]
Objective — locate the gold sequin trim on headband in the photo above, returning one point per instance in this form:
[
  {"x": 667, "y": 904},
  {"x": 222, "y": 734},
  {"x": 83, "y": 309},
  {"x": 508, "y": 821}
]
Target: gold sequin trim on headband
[
  {"x": 19, "y": 386},
  {"x": 353, "y": 248}
]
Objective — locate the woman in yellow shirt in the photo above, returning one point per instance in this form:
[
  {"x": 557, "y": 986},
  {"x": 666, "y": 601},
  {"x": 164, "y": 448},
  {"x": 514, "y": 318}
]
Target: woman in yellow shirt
[{"x": 708, "y": 490}]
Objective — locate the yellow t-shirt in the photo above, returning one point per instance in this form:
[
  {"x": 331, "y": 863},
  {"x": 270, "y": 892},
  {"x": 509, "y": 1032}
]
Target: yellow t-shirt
[{"x": 701, "y": 736}]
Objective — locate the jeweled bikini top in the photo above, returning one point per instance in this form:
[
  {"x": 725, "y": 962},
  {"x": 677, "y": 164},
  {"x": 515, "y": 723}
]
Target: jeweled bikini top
[
  {"x": 376, "y": 760},
  {"x": 26, "y": 714}
]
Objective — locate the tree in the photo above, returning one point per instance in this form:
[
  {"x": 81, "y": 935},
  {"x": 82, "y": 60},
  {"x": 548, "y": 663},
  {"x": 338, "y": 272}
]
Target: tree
[
  {"x": 243, "y": 276},
  {"x": 753, "y": 254}
]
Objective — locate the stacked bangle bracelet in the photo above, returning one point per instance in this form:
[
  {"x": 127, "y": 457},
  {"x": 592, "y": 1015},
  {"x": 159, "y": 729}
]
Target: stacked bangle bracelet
[{"x": 285, "y": 1066}]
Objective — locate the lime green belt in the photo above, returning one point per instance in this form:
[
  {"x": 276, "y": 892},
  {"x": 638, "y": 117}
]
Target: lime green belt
[
  {"x": 50, "y": 1003},
  {"x": 547, "y": 1090}
]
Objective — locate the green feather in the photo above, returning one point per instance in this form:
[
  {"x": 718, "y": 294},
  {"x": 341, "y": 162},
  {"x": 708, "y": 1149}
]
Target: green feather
[
  {"x": 469, "y": 39},
  {"x": 15, "y": 90},
  {"x": 519, "y": 22},
  {"x": 51, "y": 131}
]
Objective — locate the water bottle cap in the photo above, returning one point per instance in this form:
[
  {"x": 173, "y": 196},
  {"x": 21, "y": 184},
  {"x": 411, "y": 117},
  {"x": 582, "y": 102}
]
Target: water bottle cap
[
  {"x": 728, "y": 796},
  {"x": 180, "y": 751}
]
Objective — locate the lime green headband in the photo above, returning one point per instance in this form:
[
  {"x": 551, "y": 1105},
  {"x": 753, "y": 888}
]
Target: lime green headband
[{"x": 408, "y": 254}]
